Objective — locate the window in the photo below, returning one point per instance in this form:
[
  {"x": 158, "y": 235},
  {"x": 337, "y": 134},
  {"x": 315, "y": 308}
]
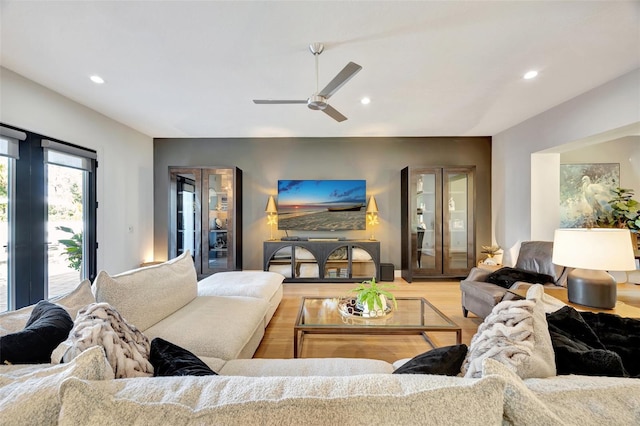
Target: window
[{"x": 47, "y": 218}]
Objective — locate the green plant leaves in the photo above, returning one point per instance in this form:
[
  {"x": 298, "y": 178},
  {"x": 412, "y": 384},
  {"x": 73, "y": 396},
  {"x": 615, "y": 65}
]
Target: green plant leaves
[
  {"x": 368, "y": 292},
  {"x": 73, "y": 247}
]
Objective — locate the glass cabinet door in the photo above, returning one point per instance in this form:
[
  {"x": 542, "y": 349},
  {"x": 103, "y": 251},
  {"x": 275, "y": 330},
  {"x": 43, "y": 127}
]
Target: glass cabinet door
[
  {"x": 205, "y": 217},
  {"x": 457, "y": 248},
  {"x": 186, "y": 214},
  {"x": 218, "y": 184},
  {"x": 426, "y": 255}
]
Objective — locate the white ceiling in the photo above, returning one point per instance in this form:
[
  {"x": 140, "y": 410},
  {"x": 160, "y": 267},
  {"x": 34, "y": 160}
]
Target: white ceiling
[{"x": 192, "y": 68}]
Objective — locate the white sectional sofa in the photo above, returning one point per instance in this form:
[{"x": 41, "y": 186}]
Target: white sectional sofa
[
  {"x": 286, "y": 391},
  {"x": 222, "y": 316}
]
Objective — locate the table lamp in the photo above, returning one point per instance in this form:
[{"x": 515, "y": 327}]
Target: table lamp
[
  {"x": 592, "y": 252},
  {"x": 272, "y": 215},
  {"x": 372, "y": 215}
]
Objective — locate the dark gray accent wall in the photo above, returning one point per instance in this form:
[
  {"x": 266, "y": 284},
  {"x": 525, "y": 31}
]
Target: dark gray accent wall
[{"x": 265, "y": 160}]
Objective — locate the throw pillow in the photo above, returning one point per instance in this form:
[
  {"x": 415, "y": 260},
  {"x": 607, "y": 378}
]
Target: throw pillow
[
  {"x": 29, "y": 394},
  {"x": 76, "y": 299},
  {"x": 445, "y": 361},
  {"x": 48, "y": 325},
  {"x": 145, "y": 296},
  {"x": 125, "y": 347},
  {"x": 81, "y": 296},
  {"x": 516, "y": 334},
  {"x": 506, "y": 277},
  {"x": 172, "y": 360}
]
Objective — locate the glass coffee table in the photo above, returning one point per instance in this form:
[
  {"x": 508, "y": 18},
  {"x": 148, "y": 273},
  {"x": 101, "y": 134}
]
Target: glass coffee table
[{"x": 414, "y": 315}]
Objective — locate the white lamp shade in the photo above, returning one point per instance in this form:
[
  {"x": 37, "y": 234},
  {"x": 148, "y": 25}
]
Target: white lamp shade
[
  {"x": 602, "y": 249},
  {"x": 271, "y": 205},
  {"x": 372, "y": 206}
]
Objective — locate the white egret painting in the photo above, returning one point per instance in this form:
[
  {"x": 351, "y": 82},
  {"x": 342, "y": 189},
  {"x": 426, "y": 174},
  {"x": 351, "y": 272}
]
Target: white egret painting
[{"x": 585, "y": 190}]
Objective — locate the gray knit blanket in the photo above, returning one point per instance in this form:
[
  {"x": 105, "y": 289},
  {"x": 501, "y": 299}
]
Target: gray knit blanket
[{"x": 99, "y": 324}]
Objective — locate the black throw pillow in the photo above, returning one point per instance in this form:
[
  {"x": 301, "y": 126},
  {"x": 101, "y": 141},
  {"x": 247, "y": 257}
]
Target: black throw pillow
[
  {"x": 445, "y": 361},
  {"x": 506, "y": 277},
  {"x": 172, "y": 360},
  {"x": 47, "y": 327}
]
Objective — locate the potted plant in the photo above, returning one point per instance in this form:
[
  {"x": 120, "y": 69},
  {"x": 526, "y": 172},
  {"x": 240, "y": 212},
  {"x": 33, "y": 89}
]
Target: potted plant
[
  {"x": 72, "y": 247},
  {"x": 625, "y": 213},
  {"x": 372, "y": 298}
]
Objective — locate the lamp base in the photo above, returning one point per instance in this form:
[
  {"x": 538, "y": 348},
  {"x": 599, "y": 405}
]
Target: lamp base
[{"x": 596, "y": 289}]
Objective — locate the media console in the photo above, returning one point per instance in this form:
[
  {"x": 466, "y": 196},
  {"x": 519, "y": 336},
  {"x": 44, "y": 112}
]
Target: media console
[{"x": 328, "y": 260}]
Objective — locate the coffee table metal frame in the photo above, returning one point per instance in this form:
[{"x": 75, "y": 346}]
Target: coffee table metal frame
[{"x": 373, "y": 326}]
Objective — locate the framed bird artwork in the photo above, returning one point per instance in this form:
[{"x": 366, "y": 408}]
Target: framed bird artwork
[{"x": 585, "y": 190}]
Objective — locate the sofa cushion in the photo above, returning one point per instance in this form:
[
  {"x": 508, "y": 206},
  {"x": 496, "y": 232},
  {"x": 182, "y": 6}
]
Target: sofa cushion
[
  {"x": 126, "y": 348},
  {"x": 145, "y": 296},
  {"x": 516, "y": 334},
  {"x": 172, "y": 360},
  {"x": 444, "y": 361},
  {"x": 593, "y": 400},
  {"x": 258, "y": 367},
  {"x": 506, "y": 277},
  {"x": 213, "y": 326},
  {"x": 48, "y": 325},
  {"x": 260, "y": 284},
  {"x": 29, "y": 394},
  {"x": 535, "y": 256},
  {"x": 521, "y": 405},
  {"x": 385, "y": 399},
  {"x": 72, "y": 302}
]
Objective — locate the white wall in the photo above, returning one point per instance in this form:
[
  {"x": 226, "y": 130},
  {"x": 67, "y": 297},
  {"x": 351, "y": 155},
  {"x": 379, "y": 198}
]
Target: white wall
[
  {"x": 625, "y": 151},
  {"x": 608, "y": 107},
  {"x": 125, "y": 172}
]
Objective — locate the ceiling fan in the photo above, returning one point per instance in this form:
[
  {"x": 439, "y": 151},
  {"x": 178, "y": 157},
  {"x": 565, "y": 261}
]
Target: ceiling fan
[{"x": 318, "y": 100}]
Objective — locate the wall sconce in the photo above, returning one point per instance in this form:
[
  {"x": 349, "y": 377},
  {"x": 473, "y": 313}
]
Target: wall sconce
[
  {"x": 272, "y": 215},
  {"x": 372, "y": 215}
]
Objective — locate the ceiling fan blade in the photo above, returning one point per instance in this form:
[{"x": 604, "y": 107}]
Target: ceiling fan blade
[
  {"x": 279, "y": 101},
  {"x": 333, "y": 113},
  {"x": 343, "y": 76}
]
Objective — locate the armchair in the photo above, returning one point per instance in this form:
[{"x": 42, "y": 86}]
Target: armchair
[{"x": 479, "y": 296}]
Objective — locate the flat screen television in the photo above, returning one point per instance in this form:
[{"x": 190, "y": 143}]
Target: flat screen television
[{"x": 322, "y": 205}]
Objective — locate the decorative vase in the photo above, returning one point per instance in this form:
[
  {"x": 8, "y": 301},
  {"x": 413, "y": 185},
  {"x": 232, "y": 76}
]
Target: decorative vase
[{"x": 378, "y": 311}]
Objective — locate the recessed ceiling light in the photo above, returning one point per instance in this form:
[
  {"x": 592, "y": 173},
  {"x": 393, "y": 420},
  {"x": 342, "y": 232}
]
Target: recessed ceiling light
[
  {"x": 365, "y": 101},
  {"x": 531, "y": 74},
  {"x": 97, "y": 79}
]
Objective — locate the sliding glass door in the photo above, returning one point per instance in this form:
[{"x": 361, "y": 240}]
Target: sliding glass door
[
  {"x": 47, "y": 217},
  {"x": 6, "y": 202},
  {"x": 65, "y": 228}
]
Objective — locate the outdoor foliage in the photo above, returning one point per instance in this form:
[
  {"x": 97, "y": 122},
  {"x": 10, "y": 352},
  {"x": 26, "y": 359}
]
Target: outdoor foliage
[{"x": 73, "y": 247}]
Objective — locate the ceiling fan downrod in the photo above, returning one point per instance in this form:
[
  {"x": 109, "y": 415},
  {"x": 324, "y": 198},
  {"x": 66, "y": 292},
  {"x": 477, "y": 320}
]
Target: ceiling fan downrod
[{"x": 316, "y": 101}]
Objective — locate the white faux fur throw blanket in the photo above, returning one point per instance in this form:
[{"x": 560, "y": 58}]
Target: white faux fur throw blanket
[
  {"x": 99, "y": 324},
  {"x": 506, "y": 335}
]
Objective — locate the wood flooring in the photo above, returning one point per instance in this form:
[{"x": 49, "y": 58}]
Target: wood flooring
[{"x": 444, "y": 295}]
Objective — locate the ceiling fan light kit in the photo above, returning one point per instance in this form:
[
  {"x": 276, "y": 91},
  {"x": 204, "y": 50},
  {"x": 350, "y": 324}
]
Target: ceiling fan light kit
[{"x": 318, "y": 100}]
